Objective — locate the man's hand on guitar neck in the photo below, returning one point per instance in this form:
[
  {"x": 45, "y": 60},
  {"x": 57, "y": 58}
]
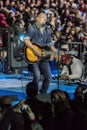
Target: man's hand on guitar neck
[{"x": 39, "y": 53}]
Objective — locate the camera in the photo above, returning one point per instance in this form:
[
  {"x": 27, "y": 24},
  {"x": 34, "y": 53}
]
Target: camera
[{"x": 24, "y": 108}]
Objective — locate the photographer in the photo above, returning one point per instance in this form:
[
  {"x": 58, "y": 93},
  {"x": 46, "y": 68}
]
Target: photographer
[
  {"x": 30, "y": 121},
  {"x": 73, "y": 68},
  {"x": 30, "y": 108}
]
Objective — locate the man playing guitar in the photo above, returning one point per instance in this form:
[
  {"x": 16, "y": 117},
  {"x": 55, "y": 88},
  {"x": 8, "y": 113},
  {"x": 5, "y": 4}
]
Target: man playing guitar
[{"x": 40, "y": 33}]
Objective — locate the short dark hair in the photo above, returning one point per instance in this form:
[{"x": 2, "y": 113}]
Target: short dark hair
[
  {"x": 31, "y": 89},
  {"x": 41, "y": 12}
]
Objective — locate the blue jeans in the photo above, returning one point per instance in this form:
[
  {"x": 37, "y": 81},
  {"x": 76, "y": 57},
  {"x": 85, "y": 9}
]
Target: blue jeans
[{"x": 43, "y": 68}]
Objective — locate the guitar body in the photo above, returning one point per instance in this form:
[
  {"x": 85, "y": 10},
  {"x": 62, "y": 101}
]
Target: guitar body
[{"x": 30, "y": 55}]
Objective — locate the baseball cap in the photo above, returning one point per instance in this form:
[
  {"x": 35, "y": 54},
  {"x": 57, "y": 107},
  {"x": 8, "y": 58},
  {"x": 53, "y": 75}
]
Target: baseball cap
[{"x": 65, "y": 58}]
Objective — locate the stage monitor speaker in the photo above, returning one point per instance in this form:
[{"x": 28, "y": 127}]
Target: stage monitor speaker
[{"x": 12, "y": 60}]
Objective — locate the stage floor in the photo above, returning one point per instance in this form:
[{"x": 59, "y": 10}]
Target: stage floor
[{"x": 15, "y": 85}]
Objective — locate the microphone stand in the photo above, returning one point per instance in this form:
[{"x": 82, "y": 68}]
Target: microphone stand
[{"x": 58, "y": 68}]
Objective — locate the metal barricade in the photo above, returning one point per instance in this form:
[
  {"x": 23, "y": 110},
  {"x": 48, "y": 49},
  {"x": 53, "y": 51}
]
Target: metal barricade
[{"x": 78, "y": 49}]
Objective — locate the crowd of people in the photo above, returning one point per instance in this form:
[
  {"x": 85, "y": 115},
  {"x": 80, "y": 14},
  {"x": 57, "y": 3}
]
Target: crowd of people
[
  {"x": 58, "y": 113},
  {"x": 68, "y": 19},
  {"x": 55, "y": 24}
]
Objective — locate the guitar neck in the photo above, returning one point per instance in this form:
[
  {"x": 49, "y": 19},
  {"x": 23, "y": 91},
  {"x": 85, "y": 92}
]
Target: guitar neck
[{"x": 51, "y": 52}]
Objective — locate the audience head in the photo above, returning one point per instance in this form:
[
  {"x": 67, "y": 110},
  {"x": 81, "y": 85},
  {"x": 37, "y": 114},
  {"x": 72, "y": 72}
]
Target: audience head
[
  {"x": 6, "y": 101},
  {"x": 66, "y": 59},
  {"x": 3, "y": 22},
  {"x": 80, "y": 93},
  {"x": 57, "y": 95},
  {"x": 31, "y": 89},
  {"x": 60, "y": 101}
]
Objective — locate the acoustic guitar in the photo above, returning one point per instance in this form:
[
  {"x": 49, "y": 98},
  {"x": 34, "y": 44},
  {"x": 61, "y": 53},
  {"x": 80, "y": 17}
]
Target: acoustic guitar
[{"x": 31, "y": 57}]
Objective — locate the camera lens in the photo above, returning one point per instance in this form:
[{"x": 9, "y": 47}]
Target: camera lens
[{"x": 24, "y": 108}]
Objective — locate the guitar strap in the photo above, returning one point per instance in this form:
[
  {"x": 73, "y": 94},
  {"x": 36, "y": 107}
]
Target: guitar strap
[{"x": 34, "y": 32}]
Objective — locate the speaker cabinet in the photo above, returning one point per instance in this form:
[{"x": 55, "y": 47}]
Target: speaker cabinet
[{"x": 12, "y": 60}]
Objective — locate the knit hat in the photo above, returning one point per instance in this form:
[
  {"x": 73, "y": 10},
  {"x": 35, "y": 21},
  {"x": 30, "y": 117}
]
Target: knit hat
[
  {"x": 2, "y": 16},
  {"x": 3, "y": 22},
  {"x": 65, "y": 58}
]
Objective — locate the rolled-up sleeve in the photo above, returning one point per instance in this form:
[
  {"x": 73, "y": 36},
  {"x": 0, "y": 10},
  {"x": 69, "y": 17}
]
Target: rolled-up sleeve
[{"x": 29, "y": 33}]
